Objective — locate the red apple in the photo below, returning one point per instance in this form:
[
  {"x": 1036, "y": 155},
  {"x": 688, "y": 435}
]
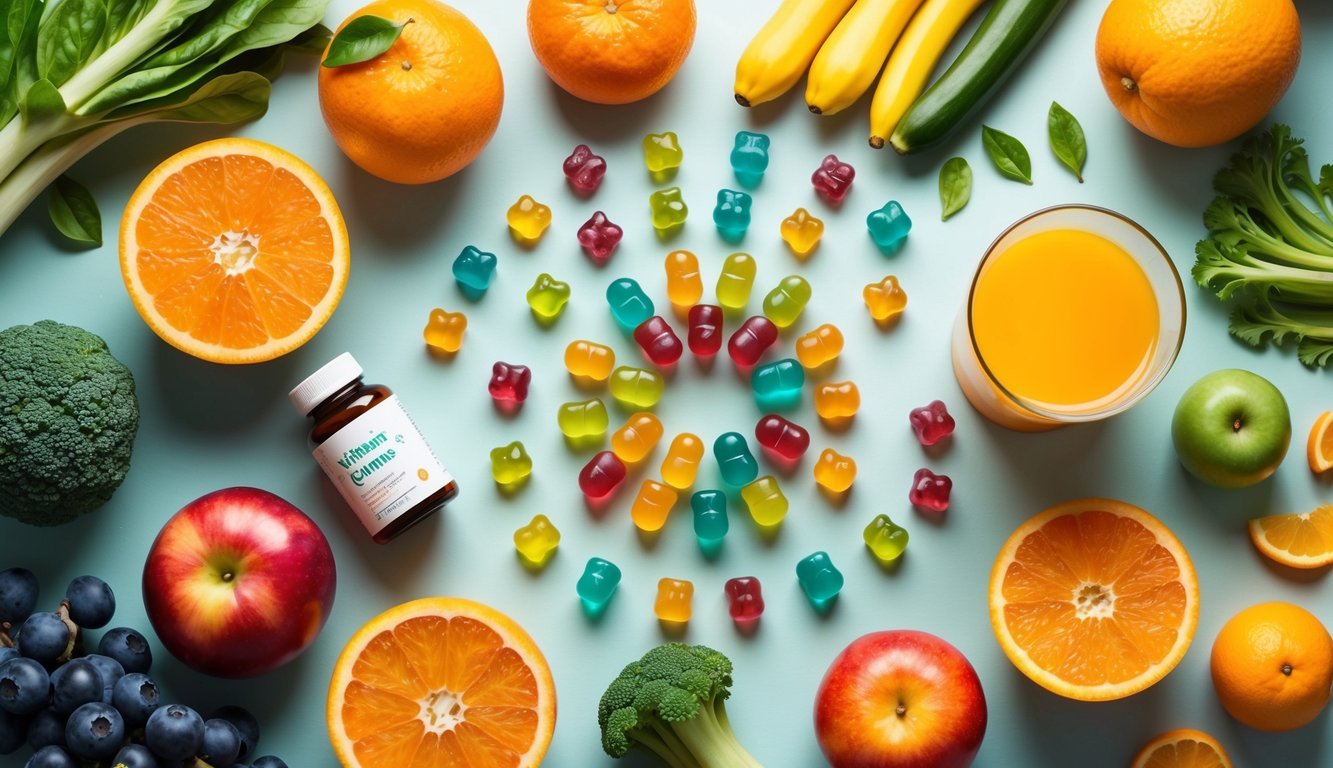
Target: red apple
[
  {"x": 238, "y": 582},
  {"x": 900, "y": 699}
]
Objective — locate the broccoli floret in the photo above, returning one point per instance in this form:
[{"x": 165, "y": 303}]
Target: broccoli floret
[
  {"x": 68, "y": 418},
  {"x": 670, "y": 703}
]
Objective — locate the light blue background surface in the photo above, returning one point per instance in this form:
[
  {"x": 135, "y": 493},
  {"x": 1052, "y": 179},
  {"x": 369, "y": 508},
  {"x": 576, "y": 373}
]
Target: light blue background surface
[{"x": 206, "y": 426}]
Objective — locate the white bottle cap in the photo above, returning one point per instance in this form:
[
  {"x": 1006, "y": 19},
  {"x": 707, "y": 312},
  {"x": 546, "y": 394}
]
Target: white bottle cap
[{"x": 336, "y": 374}]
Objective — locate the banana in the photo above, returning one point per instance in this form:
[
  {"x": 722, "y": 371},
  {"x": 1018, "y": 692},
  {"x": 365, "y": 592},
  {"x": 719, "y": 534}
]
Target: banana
[
  {"x": 913, "y": 58},
  {"x": 853, "y": 54},
  {"x": 777, "y": 57}
]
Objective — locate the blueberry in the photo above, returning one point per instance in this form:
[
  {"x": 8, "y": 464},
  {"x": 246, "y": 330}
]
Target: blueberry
[
  {"x": 91, "y": 602},
  {"x": 95, "y": 731},
  {"x": 8, "y": 652},
  {"x": 51, "y": 757},
  {"x": 13, "y": 732},
  {"x": 46, "y": 729},
  {"x": 18, "y": 595},
  {"x": 134, "y": 756},
  {"x": 245, "y": 723},
  {"x": 74, "y": 684},
  {"x": 136, "y": 696},
  {"x": 174, "y": 732},
  {"x": 24, "y": 686},
  {"x": 43, "y": 637},
  {"x": 268, "y": 761},
  {"x": 109, "y": 670},
  {"x": 222, "y": 742},
  {"x": 127, "y": 646}
]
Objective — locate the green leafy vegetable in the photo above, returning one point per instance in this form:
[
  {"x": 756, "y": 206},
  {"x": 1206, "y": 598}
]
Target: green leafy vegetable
[
  {"x": 364, "y": 38},
  {"x": 1008, "y": 154},
  {"x": 1067, "y": 140},
  {"x": 1270, "y": 246},
  {"x": 955, "y": 186},
  {"x": 74, "y": 211}
]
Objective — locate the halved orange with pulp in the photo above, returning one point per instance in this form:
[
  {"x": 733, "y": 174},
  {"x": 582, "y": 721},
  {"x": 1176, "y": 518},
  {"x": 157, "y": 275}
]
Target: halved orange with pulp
[
  {"x": 1303, "y": 540},
  {"x": 441, "y": 683},
  {"x": 1094, "y": 599},
  {"x": 1182, "y": 748},
  {"x": 1319, "y": 446}
]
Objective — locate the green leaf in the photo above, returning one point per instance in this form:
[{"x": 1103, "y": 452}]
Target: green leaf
[
  {"x": 211, "y": 36},
  {"x": 41, "y": 102},
  {"x": 1008, "y": 154},
  {"x": 313, "y": 40},
  {"x": 955, "y": 186},
  {"x": 74, "y": 211},
  {"x": 364, "y": 38},
  {"x": 225, "y": 99},
  {"x": 122, "y": 16},
  {"x": 68, "y": 37},
  {"x": 1067, "y": 140}
]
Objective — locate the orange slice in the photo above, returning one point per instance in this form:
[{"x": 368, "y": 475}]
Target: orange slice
[
  {"x": 1319, "y": 449},
  {"x": 1182, "y": 748},
  {"x": 438, "y": 683},
  {"x": 1298, "y": 540},
  {"x": 1094, "y": 599},
  {"x": 234, "y": 251}
]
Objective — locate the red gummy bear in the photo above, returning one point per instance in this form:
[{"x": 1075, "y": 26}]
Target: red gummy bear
[
  {"x": 510, "y": 382},
  {"x": 932, "y": 423},
  {"x": 930, "y": 491},
  {"x": 833, "y": 179},
  {"x": 599, "y": 237},
  {"x": 584, "y": 169}
]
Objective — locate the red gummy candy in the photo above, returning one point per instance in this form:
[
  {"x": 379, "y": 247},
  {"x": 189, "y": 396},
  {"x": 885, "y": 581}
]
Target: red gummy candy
[
  {"x": 781, "y": 436},
  {"x": 510, "y": 382},
  {"x": 932, "y": 423},
  {"x": 930, "y": 491},
  {"x": 833, "y": 179},
  {"x": 659, "y": 343},
  {"x": 750, "y": 341},
  {"x": 745, "y": 599},
  {"x": 601, "y": 475},
  {"x": 599, "y": 237},
  {"x": 584, "y": 169},
  {"x": 705, "y": 336}
]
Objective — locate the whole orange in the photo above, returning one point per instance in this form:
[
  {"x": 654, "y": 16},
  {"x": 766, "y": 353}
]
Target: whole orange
[
  {"x": 1197, "y": 72},
  {"x": 423, "y": 109},
  {"x": 1272, "y": 666},
  {"x": 611, "y": 51}
]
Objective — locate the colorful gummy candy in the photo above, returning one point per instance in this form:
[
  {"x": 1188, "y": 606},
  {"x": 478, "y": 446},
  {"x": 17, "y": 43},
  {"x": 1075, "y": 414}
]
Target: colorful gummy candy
[
  {"x": 509, "y": 382},
  {"x": 736, "y": 281},
  {"x": 636, "y": 387},
  {"x": 583, "y": 419},
  {"x": 765, "y": 500},
  {"x": 629, "y": 304},
  {"x": 601, "y": 475},
  {"x": 745, "y": 599},
  {"x": 835, "y": 472},
  {"x": 749, "y": 158},
  {"x": 673, "y": 600},
  {"x": 801, "y": 232},
  {"x": 662, "y": 152},
  {"x": 683, "y": 284},
  {"x": 885, "y": 299},
  {"x": 528, "y": 219},
  {"x": 584, "y": 170},
  {"x": 637, "y": 437},
  {"x": 680, "y": 466},
  {"x": 537, "y": 541},
  {"x": 751, "y": 340},
  {"x": 510, "y": 464},
  {"x": 931, "y": 423},
  {"x": 710, "y": 518},
  {"x": 889, "y": 226},
  {"x": 833, "y": 179},
  {"x": 785, "y": 303},
  {"x": 652, "y": 505},
  {"x": 777, "y": 385},
  {"x": 705, "y": 336},
  {"x": 734, "y": 459},
  {"x": 474, "y": 269},
  {"x": 444, "y": 330},
  {"x": 930, "y": 491},
  {"x": 819, "y": 579},
  {"x": 659, "y": 343},
  {"x": 819, "y": 346},
  {"x": 781, "y": 436},
  {"x": 589, "y": 360},
  {"x": 668, "y": 210},
  {"x": 885, "y": 539},
  {"x": 731, "y": 215},
  {"x": 599, "y": 237},
  {"x": 548, "y": 296},
  {"x": 837, "y": 401},
  {"x": 597, "y": 585}
]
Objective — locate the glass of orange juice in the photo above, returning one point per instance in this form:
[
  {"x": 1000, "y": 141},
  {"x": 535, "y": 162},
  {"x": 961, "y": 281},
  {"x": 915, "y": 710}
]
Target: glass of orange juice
[{"x": 1075, "y": 313}]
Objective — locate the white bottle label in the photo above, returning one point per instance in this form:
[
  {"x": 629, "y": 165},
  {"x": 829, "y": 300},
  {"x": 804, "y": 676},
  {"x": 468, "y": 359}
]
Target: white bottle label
[{"x": 381, "y": 464}]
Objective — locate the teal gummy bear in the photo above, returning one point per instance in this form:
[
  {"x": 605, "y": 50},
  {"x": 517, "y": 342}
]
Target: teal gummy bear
[
  {"x": 734, "y": 459},
  {"x": 819, "y": 579},
  {"x": 732, "y": 214},
  {"x": 548, "y": 296},
  {"x": 669, "y": 210},
  {"x": 749, "y": 158},
  {"x": 474, "y": 269},
  {"x": 777, "y": 385},
  {"x": 597, "y": 585},
  {"x": 889, "y": 227},
  {"x": 662, "y": 153},
  {"x": 710, "y": 518},
  {"x": 630, "y": 306}
]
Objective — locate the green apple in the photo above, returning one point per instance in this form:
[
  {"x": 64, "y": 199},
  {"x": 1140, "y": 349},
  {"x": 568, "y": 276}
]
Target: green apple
[{"x": 1231, "y": 428}]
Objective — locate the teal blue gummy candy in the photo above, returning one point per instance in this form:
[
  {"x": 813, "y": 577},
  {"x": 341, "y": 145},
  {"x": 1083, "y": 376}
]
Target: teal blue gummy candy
[
  {"x": 710, "y": 516},
  {"x": 820, "y": 580},
  {"x": 889, "y": 226},
  {"x": 597, "y": 585},
  {"x": 474, "y": 269},
  {"x": 668, "y": 209},
  {"x": 777, "y": 385},
  {"x": 749, "y": 158},
  {"x": 732, "y": 214},
  {"x": 734, "y": 459},
  {"x": 630, "y": 306}
]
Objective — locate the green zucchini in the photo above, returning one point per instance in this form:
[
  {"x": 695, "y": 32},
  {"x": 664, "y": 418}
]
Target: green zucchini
[{"x": 1009, "y": 31}]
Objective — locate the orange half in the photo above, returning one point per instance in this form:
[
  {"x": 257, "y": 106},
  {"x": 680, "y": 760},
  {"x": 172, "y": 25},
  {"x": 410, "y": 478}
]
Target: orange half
[
  {"x": 234, "y": 251},
  {"x": 1094, "y": 599},
  {"x": 441, "y": 683},
  {"x": 1319, "y": 448},
  {"x": 1297, "y": 540},
  {"x": 1182, "y": 748}
]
